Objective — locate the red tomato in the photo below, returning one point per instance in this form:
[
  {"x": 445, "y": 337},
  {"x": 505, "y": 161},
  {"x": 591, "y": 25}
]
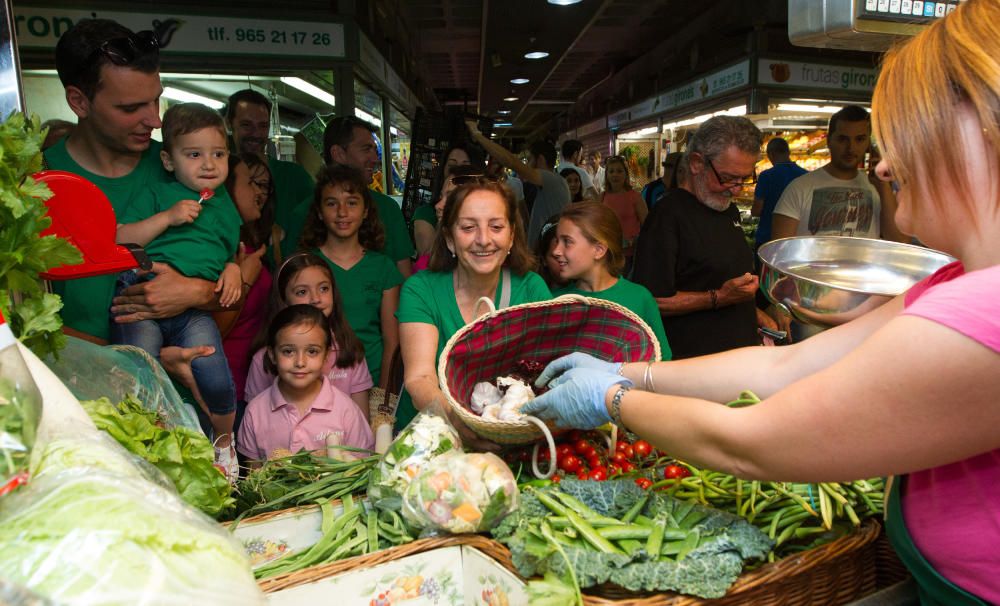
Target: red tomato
[
  {"x": 619, "y": 457},
  {"x": 594, "y": 461},
  {"x": 628, "y": 467},
  {"x": 628, "y": 451},
  {"x": 598, "y": 474},
  {"x": 643, "y": 483},
  {"x": 569, "y": 463},
  {"x": 642, "y": 449},
  {"x": 614, "y": 469},
  {"x": 582, "y": 474},
  {"x": 581, "y": 447},
  {"x": 556, "y": 479},
  {"x": 563, "y": 449},
  {"x": 620, "y": 445},
  {"x": 675, "y": 472}
]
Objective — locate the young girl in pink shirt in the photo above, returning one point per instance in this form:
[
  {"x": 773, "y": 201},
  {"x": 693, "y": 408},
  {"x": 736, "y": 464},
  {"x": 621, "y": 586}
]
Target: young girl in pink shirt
[
  {"x": 306, "y": 278},
  {"x": 301, "y": 410}
]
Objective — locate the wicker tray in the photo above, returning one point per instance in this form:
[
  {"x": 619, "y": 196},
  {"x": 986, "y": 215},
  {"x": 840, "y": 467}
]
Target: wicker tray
[
  {"x": 488, "y": 546},
  {"x": 836, "y": 573},
  {"x": 489, "y": 347}
]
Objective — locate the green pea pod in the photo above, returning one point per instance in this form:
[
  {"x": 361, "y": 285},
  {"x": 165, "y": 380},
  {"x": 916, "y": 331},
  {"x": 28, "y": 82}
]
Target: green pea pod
[{"x": 655, "y": 540}]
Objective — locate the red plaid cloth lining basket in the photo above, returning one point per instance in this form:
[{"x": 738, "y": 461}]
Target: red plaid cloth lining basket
[{"x": 490, "y": 346}]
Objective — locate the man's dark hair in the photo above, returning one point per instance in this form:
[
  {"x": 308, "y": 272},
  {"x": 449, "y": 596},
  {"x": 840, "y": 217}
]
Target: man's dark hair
[
  {"x": 777, "y": 146},
  {"x": 570, "y": 148},
  {"x": 185, "y": 118},
  {"x": 546, "y": 149},
  {"x": 79, "y": 59},
  {"x": 247, "y": 95},
  {"x": 850, "y": 113},
  {"x": 340, "y": 131}
]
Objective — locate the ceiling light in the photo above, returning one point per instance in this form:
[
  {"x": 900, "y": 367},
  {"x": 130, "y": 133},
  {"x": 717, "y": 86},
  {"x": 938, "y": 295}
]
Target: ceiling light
[
  {"x": 310, "y": 89},
  {"x": 563, "y": 2},
  {"x": 739, "y": 110},
  {"x": 510, "y": 99},
  {"x": 519, "y": 81},
  {"x": 503, "y": 124},
  {"x": 536, "y": 55},
  {"x": 360, "y": 113},
  {"x": 503, "y": 112},
  {"x": 797, "y": 107},
  {"x": 182, "y": 95}
]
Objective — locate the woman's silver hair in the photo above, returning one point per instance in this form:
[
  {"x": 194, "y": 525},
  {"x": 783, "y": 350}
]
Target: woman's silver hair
[{"x": 720, "y": 132}]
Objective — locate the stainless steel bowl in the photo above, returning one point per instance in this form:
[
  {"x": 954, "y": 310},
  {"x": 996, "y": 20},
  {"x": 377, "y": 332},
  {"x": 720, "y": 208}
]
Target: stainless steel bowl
[{"x": 830, "y": 280}]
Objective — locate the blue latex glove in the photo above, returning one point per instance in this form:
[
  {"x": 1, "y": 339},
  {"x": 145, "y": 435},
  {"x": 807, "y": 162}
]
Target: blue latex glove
[
  {"x": 576, "y": 398},
  {"x": 575, "y": 360}
]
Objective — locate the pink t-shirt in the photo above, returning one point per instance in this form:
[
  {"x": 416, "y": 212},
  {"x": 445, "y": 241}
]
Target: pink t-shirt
[
  {"x": 623, "y": 203},
  {"x": 237, "y": 343},
  {"x": 271, "y": 422},
  {"x": 953, "y": 511},
  {"x": 349, "y": 380}
]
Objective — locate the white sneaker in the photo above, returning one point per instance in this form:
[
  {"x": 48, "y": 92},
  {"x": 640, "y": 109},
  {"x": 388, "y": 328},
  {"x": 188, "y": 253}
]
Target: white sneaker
[{"x": 226, "y": 461}]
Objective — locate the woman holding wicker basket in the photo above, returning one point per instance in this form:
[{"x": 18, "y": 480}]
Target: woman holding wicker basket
[
  {"x": 480, "y": 251},
  {"x": 908, "y": 389}
]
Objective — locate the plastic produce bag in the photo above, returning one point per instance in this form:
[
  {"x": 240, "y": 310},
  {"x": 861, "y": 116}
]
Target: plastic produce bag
[
  {"x": 90, "y": 528},
  {"x": 20, "y": 413},
  {"x": 92, "y": 372},
  {"x": 427, "y": 436},
  {"x": 461, "y": 492}
]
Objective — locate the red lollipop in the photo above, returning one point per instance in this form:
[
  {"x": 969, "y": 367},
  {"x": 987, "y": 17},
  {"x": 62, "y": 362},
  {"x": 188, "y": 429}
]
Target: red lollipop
[{"x": 206, "y": 194}]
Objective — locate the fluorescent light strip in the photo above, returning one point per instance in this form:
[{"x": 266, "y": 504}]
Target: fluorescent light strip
[
  {"x": 310, "y": 89},
  {"x": 799, "y": 107},
  {"x": 182, "y": 95},
  {"x": 739, "y": 110},
  {"x": 360, "y": 113},
  {"x": 536, "y": 55}
]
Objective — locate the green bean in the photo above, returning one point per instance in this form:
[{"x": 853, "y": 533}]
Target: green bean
[
  {"x": 589, "y": 534},
  {"x": 372, "y": 528},
  {"x": 655, "y": 540},
  {"x": 635, "y": 509}
]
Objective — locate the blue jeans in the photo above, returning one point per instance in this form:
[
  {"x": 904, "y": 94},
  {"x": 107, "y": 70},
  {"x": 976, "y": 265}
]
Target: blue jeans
[{"x": 191, "y": 328}]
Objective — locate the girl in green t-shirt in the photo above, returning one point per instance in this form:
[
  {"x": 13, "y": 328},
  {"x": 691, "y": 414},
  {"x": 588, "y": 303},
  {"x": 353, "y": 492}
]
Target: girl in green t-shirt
[
  {"x": 588, "y": 254},
  {"x": 343, "y": 228}
]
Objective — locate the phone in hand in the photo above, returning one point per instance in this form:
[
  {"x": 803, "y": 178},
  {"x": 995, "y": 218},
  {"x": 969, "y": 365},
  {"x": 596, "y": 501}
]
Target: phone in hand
[{"x": 777, "y": 335}]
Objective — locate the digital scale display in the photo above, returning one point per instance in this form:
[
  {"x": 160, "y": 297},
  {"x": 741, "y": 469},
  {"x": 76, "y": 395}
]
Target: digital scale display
[{"x": 910, "y": 11}]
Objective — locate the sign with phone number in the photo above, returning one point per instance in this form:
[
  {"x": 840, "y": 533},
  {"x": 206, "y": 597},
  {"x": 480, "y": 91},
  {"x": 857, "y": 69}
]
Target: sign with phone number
[{"x": 199, "y": 34}]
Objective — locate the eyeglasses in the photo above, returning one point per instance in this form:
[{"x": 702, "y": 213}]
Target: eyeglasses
[
  {"x": 732, "y": 181},
  {"x": 126, "y": 49},
  {"x": 460, "y": 180}
]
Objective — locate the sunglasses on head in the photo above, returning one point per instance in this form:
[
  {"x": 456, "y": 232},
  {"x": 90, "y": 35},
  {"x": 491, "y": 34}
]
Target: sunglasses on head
[
  {"x": 126, "y": 49},
  {"x": 460, "y": 180}
]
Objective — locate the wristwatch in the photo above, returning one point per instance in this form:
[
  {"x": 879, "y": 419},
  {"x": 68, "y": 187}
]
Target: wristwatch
[{"x": 616, "y": 405}]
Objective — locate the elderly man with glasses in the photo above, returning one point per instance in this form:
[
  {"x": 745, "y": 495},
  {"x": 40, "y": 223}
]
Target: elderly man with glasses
[{"x": 692, "y": 254}]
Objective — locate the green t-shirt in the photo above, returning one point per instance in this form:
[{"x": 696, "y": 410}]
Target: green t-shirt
[
  {"x": 293, "y": 190},
  {"x": 199, "y": 249},
  {"x": 634, "y": 297},
  {"x": 86, "y": 300},
  {"x": 426, "y": 213},
  {"x": 428, "y": 297},
  {"x": 361, "y": 289},
  {"x": 398, "y": 245}
]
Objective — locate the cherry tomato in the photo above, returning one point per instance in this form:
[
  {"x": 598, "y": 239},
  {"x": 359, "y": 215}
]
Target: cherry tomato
[
  {"x": 598, "y": 474},
  {"x": 643, "y": 483},
  {"x": 614, "y": 469},
  {"x": 582, "y": 474},
  {"x": 556, "y": 479},
  {"x": 564, "y": 449},
  {"x": 620, "y": 445},
  {"x": 594, "y": 461},
  {"x": 569, "y": 463},
  {"x": 628, "y": 467},
  {"x": 581, "y": 447},
  {"x": 675, "y": 472},
  {"x": 642, "y": 449},
  {"x": 628, "y": 451},
  {"x": 619, "y": 457}
]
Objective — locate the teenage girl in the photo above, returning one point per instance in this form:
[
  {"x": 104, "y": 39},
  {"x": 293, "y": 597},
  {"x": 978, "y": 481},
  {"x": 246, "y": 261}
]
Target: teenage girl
[
  {"x": 625, "y": 202},
  {"x": 574, "y": 183},
  {"x": 301, "y": 409},
  {"x": 343, "y": 228},
  {"x": 304, "y": 278},
  {"x": 588, "y": 253}
]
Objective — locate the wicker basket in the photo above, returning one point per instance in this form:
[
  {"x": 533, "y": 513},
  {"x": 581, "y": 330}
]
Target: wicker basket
[
  {"x": 491, "y": 345},
  {"x": 489, "y": 547},
  {"x": 836, "y": 573}
]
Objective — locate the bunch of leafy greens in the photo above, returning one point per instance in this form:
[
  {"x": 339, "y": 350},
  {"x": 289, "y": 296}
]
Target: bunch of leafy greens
[
  {"x": 184, "y": 455},
  {"x": 90, "y": 529},
  {"x": 23, "y": 253},
  {"x": 723, "y": 542}
]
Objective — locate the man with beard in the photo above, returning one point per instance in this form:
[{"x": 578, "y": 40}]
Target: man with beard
[
  {"x": 248, "y": 116},
  {"x": 691, "y": 252}
]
